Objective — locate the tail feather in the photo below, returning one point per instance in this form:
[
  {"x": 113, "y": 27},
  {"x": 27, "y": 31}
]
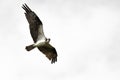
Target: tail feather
[{"x": 30, "y": 47}]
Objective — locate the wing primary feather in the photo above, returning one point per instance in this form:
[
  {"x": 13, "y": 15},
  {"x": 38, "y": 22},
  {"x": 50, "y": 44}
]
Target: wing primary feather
[{"x": 26, "y": 8}]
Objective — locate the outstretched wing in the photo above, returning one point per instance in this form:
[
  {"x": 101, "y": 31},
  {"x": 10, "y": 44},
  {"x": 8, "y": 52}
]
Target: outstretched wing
[
  {"x": 49, "y": 51},
  {"x": 35, "y": 24}
]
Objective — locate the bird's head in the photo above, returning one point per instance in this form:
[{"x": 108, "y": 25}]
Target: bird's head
[{"x": 47, "y": 40}]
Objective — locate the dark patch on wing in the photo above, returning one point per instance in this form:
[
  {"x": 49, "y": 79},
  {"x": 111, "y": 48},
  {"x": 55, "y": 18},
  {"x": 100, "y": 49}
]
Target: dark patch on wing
[
  {"x": 33, "y": 21},
  {"x": 49, "y": 51}
]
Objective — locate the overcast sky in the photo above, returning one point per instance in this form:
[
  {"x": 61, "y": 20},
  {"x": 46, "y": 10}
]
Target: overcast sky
[{"x": 85, "y": 33}]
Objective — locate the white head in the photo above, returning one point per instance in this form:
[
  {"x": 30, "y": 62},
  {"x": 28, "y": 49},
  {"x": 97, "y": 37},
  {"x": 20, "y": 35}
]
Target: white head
[{"x": 47, "y": 40}]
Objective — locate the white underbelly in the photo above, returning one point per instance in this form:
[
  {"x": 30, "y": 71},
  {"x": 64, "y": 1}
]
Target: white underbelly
[{"x": 39, "y": 42}]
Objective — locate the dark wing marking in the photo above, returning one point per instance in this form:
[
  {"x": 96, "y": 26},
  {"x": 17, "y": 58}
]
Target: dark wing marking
[
  {"x": 34, "y": 22},
  {"x": 49, "y": 51}
]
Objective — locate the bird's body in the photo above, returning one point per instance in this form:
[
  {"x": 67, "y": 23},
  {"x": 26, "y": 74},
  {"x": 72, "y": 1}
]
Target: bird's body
[{"x": 36, "y": 31}]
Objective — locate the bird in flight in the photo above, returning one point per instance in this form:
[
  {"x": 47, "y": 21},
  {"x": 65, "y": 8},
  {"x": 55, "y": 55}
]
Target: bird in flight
[{"x": 38, "y": 36}]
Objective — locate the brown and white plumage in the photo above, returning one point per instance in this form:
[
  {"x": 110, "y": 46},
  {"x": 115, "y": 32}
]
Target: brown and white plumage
[{"x": 36, "y": 31}]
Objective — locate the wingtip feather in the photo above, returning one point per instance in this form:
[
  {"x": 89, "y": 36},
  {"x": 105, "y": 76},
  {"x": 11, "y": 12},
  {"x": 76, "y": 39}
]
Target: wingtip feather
[{"x": 26, "y": 8}]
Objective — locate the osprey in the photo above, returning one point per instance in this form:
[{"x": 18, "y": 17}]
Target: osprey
[{"x": 36, "y": 31}]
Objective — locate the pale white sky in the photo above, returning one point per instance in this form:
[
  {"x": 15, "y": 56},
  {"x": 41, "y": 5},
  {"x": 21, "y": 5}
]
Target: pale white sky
[{"x": 86, "y": 34}]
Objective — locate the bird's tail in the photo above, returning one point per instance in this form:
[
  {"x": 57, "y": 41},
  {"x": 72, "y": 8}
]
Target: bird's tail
[{"x": 30, "y": 47}]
